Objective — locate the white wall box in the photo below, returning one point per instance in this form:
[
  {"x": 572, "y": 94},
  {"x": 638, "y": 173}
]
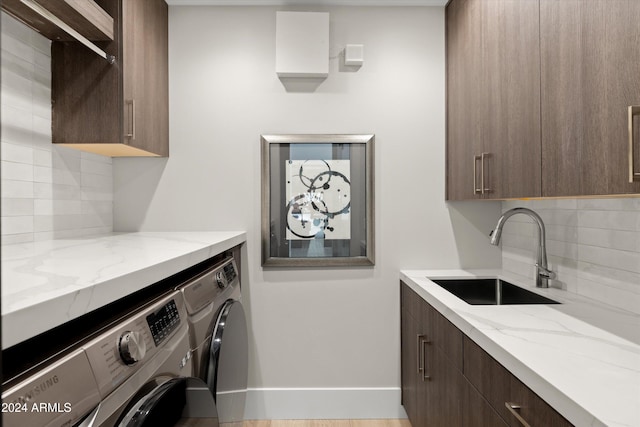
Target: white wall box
[
  {"x": 302, "y": 44},
  {"x": 354, "y": 55}
]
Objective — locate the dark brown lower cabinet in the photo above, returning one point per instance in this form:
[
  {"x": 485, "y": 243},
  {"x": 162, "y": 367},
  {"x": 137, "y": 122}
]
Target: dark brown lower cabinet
[{"x": 448, "y": 380}]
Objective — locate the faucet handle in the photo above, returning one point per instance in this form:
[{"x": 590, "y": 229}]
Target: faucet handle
[{"x": 545, "y": 272}]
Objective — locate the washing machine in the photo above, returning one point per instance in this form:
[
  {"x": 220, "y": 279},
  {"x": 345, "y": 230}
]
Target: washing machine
[
  {"x": 218, "y": 333},
  {"x": 135, "y": 372}
]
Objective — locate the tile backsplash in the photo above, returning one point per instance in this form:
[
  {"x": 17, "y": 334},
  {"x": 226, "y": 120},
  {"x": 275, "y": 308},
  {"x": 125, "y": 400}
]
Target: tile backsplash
[
  {"x": 47, "y": 191},
  {"x": 592, "y": 244}
]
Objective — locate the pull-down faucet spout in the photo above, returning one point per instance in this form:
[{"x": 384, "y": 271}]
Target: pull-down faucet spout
[{"x": 543, "y": 274}]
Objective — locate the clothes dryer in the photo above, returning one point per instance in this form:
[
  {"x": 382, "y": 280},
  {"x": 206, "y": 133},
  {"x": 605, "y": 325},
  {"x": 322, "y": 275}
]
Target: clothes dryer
[{"x": 218, "y": 333}]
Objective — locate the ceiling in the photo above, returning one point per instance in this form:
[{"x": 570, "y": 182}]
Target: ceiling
[{"x": 307, "y": 2}]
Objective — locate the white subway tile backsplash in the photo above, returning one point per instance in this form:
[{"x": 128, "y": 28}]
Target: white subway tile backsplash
[
  {"x": 97, "y": 194},
  {"x": 43, "y": 158},
  {"x": 58, "y": 207},
  {"x": 17, "y": 207},
  {"x": 91, "y": 166},
  {"x": 17, "y": 47},
  {"x": 48, "y": 191},
  {"x": 593, "y": 246},
  {"x": 11, "y": 239},
  {"x": 614, "y": 239},
  {"x": 15, "y": 28},
  {"x": 42, "y": 174},
  {"x": 17, "y": 224},
  {"x": 609, "y": 220},
  {"x": 16, "y": 171},
  {"x": 619, "y": 260},
  {"x": 17, "y": 189},
  {"x": 622, "y": 204},
  {"x": 16, "y": 153},
  {"x": 100, "y": 182}
]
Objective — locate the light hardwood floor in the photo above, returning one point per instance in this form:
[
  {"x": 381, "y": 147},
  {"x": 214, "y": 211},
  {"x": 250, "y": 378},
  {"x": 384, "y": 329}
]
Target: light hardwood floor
[{"x": 328, "y": 423}]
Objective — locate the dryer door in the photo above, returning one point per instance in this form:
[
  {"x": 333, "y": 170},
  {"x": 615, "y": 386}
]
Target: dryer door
[
  {"x": 225, "y": 371},
  {"x": 174, "y": 402}
]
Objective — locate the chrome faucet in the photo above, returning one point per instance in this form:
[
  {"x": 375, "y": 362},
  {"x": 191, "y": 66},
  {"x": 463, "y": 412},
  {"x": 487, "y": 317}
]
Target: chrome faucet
[{"x": 543, "y": 274}]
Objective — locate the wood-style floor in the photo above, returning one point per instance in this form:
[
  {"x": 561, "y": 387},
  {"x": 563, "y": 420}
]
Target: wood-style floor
[{"x": 327, "y": 423}]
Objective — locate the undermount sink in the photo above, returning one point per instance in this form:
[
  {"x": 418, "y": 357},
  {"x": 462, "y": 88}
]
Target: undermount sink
[{"x": 491, "y": 292}]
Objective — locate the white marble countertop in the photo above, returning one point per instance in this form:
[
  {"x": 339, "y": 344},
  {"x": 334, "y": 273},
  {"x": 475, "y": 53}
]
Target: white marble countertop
[
  {"x": 45, "y": 284},
  {"x": 581, "y": 357}
]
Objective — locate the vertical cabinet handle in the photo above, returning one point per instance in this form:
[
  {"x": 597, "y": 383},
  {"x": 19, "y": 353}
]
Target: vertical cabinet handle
[
  {"x": 476, "y": 190},
  {"x": 132, "y": 122},
  {"x": 419, "y": 347},
  {"x": 514, "y": 408},
  {"x": 634, "y": 110},
  {"x": 425, "y": 377},
  {"x": 483, "y": 157}
]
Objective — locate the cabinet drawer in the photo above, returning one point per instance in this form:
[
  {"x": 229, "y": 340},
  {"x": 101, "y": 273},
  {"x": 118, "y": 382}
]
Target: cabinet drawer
[
  {"x": 439, "y": 331},
  {"x": 500, "y": 388}
]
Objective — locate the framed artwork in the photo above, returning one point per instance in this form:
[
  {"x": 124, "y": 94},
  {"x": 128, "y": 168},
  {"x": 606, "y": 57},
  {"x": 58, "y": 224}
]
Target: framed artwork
[{"x": 317, "y": 200}]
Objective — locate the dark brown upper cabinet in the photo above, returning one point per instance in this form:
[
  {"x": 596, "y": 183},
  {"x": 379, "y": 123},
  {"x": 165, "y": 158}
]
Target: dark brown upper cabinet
[
  {"x": 116, "y": 109},
  {"x": 590, "y": 58},
  {"x": 538, "y": 97},
  {"x": 493, "y": 99}
]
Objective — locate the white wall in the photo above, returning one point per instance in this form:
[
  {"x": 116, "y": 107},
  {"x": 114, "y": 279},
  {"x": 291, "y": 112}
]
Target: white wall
[
  {"x": 592, "y": 244},
  {"x": 47, "y": 191},
  {"x": 324, "y": 342}
]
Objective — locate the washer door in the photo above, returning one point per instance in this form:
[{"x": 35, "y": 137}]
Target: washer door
[
  {"x": 174, "y": 402},
  {"x": 225, "y": 371}
]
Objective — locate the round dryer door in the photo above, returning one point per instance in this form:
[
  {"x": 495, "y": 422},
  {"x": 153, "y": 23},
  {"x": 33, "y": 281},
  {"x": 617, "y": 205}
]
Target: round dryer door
[
  {"x": 178, "y": 402},
  {"x": 225, "y": 371}
]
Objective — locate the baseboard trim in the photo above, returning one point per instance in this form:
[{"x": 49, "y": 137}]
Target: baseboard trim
[{"x": 323, "y": 403}]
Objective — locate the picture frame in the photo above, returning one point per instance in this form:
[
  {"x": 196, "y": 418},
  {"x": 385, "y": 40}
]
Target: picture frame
[{"x": 318, "y": 200}]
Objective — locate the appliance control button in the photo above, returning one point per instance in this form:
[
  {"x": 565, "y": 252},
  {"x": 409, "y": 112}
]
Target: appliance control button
[
  {"x": 220, "y": 280},
  {"x": 132, "y": 347}
]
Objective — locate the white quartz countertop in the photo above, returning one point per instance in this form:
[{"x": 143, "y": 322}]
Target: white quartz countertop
[
  {"x": 48, "y": 283},
  {"x": 581, "y": 357}
]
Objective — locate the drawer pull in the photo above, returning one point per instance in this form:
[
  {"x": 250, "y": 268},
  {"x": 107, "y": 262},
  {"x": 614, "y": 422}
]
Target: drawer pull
[
  {"x": 484, "y": 189},
  {"x": 132, "y": 124},
  {"x": 425, "y": 377},
  {"x": 476, "y": 190},
  {"x": 514, "y": 408},
  {"x": 420, "y": 357},
  {"x": 634, "y": 110}
]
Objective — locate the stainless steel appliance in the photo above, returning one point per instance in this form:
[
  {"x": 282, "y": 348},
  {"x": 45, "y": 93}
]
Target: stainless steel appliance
[
  {"x": 218, "y": 333},
  {"x": 133, "y": 373}
]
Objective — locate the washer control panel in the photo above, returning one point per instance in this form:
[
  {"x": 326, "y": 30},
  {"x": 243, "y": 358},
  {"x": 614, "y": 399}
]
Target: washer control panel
[
  {"x": 121, "y": 351},
  {"x": 163, "y": 321}
]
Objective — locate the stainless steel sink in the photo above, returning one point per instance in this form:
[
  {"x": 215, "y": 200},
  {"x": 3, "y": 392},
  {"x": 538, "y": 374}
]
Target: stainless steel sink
[{"x": 491, "y": 292}]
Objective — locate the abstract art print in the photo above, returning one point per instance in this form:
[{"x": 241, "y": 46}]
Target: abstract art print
[
  {"x": 317, "y": 200},
  {"x": 319, "y": 197}
]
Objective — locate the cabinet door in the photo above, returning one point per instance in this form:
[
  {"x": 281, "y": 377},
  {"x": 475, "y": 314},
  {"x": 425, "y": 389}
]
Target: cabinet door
[
  {"x": 476, "y": 411},
  {"x": 444, "y": 390},
  {"x": 590, "y": 68},
  {"x": 464, "y": 98},
  {"x": 409, "y": 362},
  {"x": 85, "y": 90},
  {"x": 493, "y": 99},
  {"x": 145, "y": 75},
  {"x": 500, "y": 388},
  {"x": 511, "y": 90}
]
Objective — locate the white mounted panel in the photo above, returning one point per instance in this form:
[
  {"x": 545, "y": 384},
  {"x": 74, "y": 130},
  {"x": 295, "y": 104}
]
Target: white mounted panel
[
  {"x": 302, "y": 44},
  {"x": 354, "y": 55}
]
